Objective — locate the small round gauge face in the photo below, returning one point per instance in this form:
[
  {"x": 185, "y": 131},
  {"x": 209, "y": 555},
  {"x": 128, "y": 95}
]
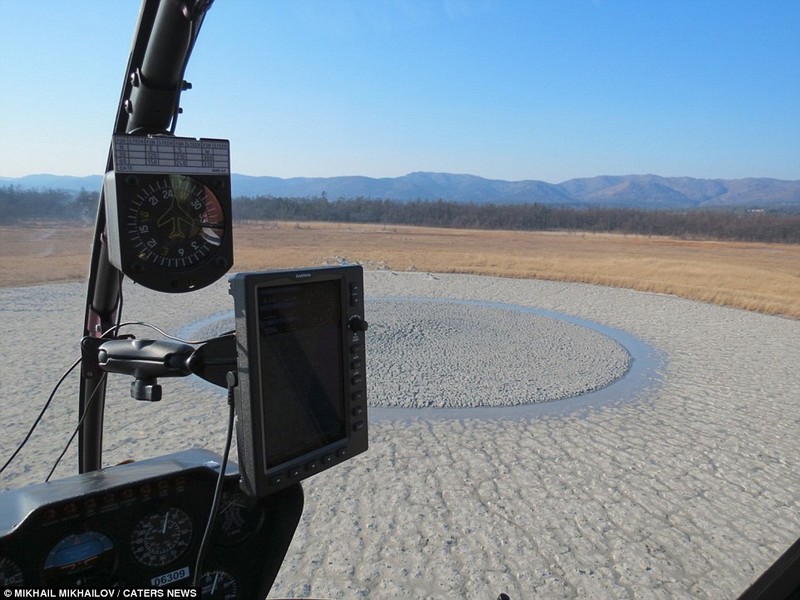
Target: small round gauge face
[
  {"x": 174, "y": 222},
  {"x": 10, "y": 574},
  {"x": 161, "y": 537},
  {"x": 236, "y": 518},
  {"x": 79, "y": 559},
  {"x": 219, "y": 585}
]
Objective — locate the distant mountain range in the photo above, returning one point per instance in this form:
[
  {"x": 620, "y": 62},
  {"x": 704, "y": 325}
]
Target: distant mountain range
[{"x": 634, "y": 191}]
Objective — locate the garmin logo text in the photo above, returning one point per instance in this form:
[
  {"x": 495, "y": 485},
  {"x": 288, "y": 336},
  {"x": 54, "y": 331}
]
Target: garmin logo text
[{"x": 302, "y": 275}]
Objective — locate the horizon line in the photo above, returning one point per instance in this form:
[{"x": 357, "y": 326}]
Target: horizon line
[{"x": 6, "y": 177}]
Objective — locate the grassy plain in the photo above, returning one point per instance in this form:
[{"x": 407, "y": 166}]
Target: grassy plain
[{"x": 753, "y": 276}]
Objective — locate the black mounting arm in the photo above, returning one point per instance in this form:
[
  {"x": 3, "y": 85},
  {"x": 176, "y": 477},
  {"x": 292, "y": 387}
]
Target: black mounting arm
[{"x": 147, "y": 360}]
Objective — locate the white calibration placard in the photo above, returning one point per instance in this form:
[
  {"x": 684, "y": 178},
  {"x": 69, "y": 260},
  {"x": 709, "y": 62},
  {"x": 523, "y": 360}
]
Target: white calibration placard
[{"x": 165, "y": 154}]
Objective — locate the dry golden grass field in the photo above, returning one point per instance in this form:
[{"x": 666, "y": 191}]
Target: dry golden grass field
[{"x": 753, "y": 276}]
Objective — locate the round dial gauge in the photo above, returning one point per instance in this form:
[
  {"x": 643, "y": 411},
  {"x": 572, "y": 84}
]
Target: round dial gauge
[
  {"x": 161, "y": 537},
  {"x": 10, "y": 574},
  {"x": 236, "y": 518},
  {"x": 174, "y": 222},
  {"x": 79, "y": 559},
  {"x": 219, "y": 585}
]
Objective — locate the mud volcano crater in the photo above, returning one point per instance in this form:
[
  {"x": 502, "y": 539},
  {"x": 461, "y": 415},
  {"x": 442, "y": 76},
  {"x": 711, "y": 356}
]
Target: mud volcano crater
[{"x": 444, "y": 354}]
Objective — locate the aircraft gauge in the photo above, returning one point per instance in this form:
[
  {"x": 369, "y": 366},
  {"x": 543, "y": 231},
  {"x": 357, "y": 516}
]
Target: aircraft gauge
[
  {"x": 161, "y": 537},
  {"x": 168, "y": 211},
  {"x": 218, "y": 585}
]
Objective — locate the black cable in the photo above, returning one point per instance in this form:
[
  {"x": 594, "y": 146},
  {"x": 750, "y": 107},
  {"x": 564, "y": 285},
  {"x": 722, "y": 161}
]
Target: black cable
[
  {"x": 165, "y": 334},
  {"x": 75, "y": 432},
  {"x": 41, "y": 414},
  {"x": 218, "y": 489},
  {"x": 115, "y": 329},
  {"x": 120, "y": 301},
  {"x": 50, "y": 400}
]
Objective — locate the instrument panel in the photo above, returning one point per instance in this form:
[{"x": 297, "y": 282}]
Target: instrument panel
[{"x": 139, "y": 525}]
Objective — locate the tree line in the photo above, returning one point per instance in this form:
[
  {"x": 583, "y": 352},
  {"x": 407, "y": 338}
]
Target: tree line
[
  {"x": 752, "y": 225},
  {"x": 20, "y": 206}
]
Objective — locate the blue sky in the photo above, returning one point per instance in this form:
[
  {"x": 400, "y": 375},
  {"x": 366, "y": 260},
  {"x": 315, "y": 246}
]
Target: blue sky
[{"x": 515, "y": 89}]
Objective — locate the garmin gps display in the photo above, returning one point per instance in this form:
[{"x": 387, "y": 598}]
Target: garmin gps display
[
  {"x": 300, "y": 341},
  {"x": 301, "y": 395}
]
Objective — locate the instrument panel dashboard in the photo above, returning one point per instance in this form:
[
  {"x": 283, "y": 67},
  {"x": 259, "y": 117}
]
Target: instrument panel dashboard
[{"x": 140, "y": 525}]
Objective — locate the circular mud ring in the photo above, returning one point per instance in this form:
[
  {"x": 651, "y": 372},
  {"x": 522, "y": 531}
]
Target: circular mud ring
[{"x": 445, "y": 354}]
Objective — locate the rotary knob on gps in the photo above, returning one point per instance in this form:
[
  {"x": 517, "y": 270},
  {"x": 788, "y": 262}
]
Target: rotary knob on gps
[{"x": 357, "y": 324}]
